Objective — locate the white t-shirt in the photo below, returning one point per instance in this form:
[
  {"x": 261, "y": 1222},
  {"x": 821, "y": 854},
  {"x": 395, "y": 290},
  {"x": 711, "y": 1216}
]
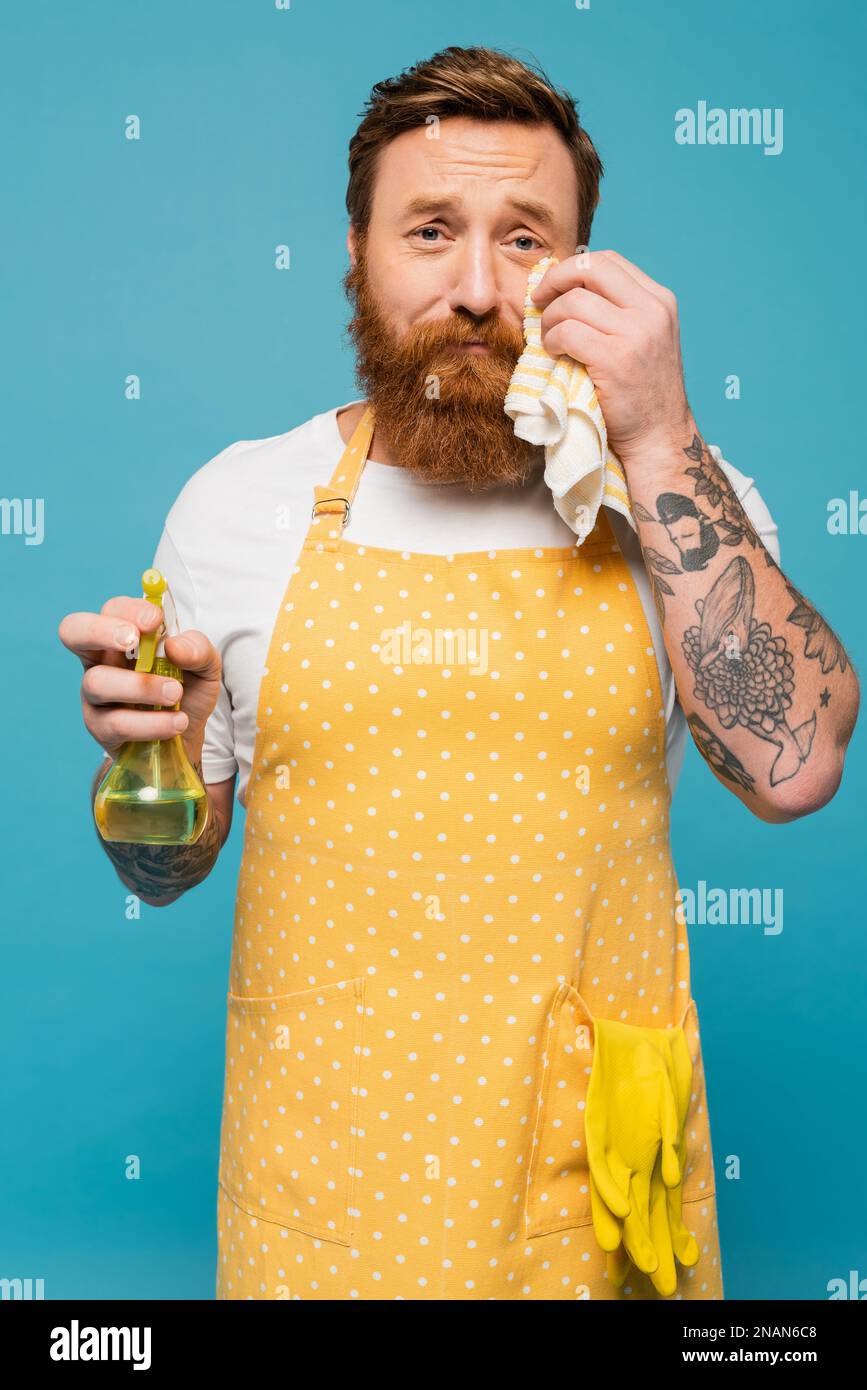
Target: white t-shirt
[{"x": 237, "y": 527}]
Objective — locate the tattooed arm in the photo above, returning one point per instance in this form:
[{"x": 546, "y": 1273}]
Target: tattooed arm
[
  {"x": 159, "y": 874},
  {"x": 767, "y": 687},
  {"x": 768, "y": 690}
]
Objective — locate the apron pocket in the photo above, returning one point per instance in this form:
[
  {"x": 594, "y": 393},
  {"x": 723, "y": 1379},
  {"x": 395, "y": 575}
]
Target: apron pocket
[
  {"x": 289, "y": 1129},
  {"x": 557, "y": 1194}
]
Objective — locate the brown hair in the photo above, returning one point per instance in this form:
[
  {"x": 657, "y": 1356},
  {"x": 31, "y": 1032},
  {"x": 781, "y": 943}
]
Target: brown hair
[{"x": 484, "y": 84}]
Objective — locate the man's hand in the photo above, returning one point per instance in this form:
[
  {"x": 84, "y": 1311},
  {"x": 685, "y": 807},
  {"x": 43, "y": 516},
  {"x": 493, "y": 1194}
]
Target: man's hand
[
  {"x": 120, "y": 704},
  {"x": 112, "y": 693},
  {"x": 604, "y": 312}
]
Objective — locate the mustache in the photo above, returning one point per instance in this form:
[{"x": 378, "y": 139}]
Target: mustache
[
  {"x": 504, "y": 339},
  {"x": 409, "y": 350}
]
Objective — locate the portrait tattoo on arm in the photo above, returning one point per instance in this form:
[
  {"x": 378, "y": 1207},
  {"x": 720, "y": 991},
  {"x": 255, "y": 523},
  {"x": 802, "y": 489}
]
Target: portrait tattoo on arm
[{"x": 697, "y": 536}]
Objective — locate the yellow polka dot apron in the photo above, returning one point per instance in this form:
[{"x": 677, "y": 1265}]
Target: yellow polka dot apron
[{"x": 456, "y": 852}]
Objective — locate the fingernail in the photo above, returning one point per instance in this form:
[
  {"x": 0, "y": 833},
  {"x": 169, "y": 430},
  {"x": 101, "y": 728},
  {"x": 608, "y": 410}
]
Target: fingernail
[
  {"x": 124, "y": 636},
  {"x": 145, "y": 614},
  {"x": 180, "y": 721},
  {"x": 172, "y": 691}
]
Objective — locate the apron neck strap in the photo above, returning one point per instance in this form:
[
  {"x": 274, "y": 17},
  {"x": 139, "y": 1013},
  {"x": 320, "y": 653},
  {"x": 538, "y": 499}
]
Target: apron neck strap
[{"x": 332, "y": 504}]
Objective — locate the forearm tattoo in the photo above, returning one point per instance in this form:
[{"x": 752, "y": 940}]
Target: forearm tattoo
[
  {"x": 160, "y": 871},
  {"x": 718, "y": 756},
  {"x": 820, "y": 643},
  {"x": 744, "y": 672}
]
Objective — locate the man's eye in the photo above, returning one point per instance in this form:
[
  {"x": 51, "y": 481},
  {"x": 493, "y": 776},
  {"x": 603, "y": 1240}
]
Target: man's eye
[
  {"x": 421, "y": 231},
  {"x": 525, "y": 236}
]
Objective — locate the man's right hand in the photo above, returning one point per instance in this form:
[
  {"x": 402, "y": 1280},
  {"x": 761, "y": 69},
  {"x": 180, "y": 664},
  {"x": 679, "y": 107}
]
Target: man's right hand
[{"x": 111, "y": 690}]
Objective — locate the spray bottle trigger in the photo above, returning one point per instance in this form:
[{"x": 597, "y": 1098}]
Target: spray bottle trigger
[{"x": 153, "y": 589}]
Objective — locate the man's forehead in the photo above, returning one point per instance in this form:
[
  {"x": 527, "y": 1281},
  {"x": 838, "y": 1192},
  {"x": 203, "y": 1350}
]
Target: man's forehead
[{"x": 452, "y": 154}]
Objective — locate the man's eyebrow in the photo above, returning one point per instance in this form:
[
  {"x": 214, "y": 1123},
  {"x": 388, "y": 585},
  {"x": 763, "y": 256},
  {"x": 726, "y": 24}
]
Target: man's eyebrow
[{"x": 430, "y": 207}]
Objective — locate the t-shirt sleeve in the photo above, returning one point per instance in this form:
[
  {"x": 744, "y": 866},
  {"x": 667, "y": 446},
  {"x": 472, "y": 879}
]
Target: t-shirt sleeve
[{"x": 218, "y": 750}]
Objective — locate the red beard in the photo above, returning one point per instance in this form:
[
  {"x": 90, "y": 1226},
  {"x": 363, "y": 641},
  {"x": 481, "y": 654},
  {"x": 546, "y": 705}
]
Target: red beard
[{"x": 438, "y": 407}]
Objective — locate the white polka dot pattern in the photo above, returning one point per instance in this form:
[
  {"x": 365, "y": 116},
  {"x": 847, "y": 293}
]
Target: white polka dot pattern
[
  {"x": 445, "y": 871},
  {"x": 291, "y": 1102}
]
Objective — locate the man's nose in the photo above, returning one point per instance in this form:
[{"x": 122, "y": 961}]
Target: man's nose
[{"x": 476, "y": 289}]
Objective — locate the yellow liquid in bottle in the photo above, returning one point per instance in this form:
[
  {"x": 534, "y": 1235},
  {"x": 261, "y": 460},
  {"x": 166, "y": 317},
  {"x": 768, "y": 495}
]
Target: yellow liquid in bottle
[
  {"x": 151, "y": 795},
  {"x": 178, "y": 818}
]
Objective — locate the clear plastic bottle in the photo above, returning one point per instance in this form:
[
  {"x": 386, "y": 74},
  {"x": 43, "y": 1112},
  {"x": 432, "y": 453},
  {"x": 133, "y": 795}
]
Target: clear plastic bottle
[{"x": 151, "y": 794}]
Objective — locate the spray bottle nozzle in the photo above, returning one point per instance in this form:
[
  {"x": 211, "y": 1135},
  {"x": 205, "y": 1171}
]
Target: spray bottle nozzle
[{"x": 151, "y": 648}]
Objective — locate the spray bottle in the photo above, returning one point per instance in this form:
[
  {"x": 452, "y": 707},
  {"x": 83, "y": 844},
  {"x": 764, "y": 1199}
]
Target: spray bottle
[{"x": 151, "y": 794}]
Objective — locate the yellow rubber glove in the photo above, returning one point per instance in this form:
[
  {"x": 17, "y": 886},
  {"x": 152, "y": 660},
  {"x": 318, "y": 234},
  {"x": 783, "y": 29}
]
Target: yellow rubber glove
[
  {"x": 669, "y": 1235},
  {"x": 637, "y": 1101}
]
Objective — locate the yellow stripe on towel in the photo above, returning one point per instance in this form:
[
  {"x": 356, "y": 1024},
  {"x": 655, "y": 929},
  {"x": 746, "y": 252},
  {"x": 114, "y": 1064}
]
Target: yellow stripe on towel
[{"x": 554, "y": 404}]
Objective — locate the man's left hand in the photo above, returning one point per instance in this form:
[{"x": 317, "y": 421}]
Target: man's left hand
[{"x": 604, "y": 312}]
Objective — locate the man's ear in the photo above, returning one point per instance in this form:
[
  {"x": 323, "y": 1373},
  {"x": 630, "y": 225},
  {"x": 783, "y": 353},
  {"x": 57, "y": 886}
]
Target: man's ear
[{"x": 352, "y": 245}]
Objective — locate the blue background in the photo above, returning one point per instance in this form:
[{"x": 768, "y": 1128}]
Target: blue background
[{"x": 157, "y": 257}]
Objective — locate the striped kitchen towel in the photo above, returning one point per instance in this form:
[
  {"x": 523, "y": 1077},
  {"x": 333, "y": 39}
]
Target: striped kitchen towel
[{"x": 554, "y": 403}]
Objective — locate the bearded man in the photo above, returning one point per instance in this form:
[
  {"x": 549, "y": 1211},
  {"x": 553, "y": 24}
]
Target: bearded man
[{"x": 462, "y": 1053}]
